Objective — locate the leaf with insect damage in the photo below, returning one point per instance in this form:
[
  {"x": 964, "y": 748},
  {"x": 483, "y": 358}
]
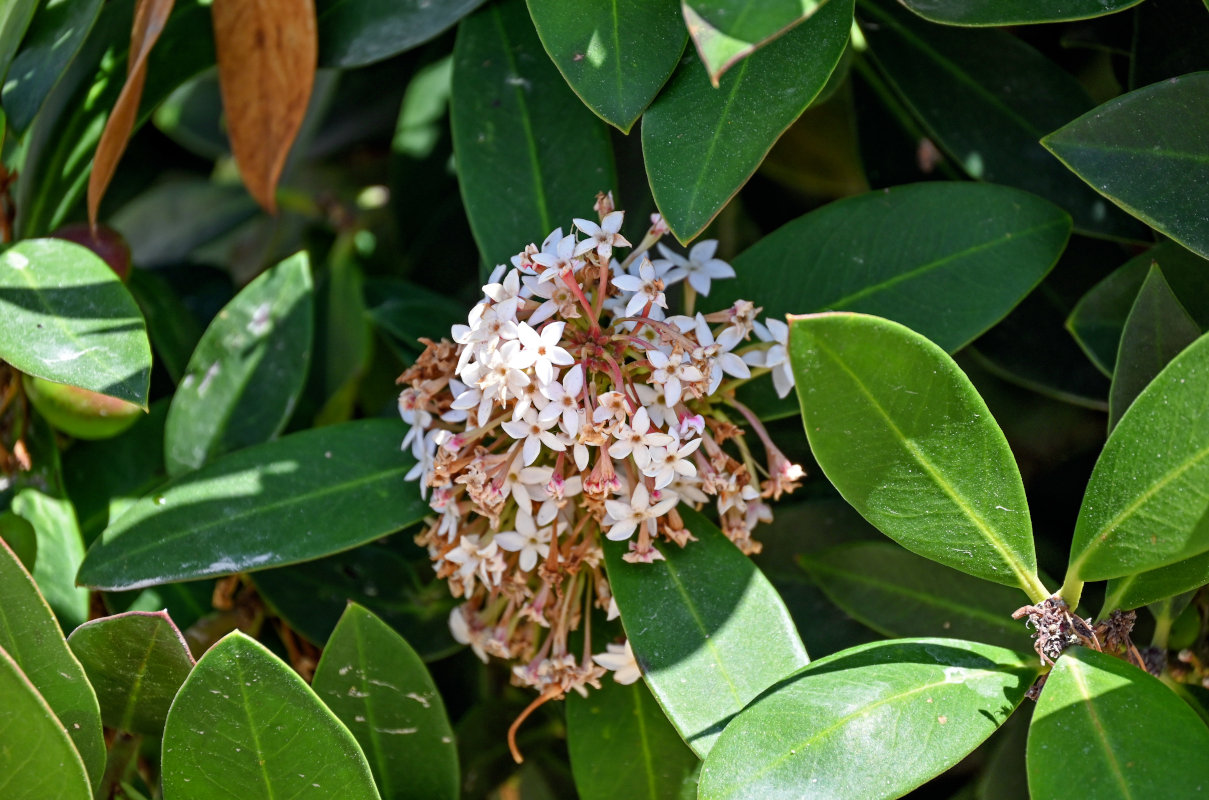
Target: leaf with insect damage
[
  {"x": 149, "y": 19},
  {"x": 267, "y": 50}
]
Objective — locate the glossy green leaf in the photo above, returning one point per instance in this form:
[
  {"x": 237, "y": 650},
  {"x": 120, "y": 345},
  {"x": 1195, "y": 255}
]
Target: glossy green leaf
[
  {"x": 1155, "y": 332},
  {"x": 55, "y": 34},
  {"x": 1004, "y": 777},
  {"x": 985, "y": 98},
  {"x": 1150, "y": 486},
  {"x": 379, "y": 688},
  {"x": 615, "y": 54},
  {"x": 37, "y": 759},
  {"x": 1012, "y": 12},
  {"x": 1143, "y": 588},
  {"x": 1130, "y": 735},
  {"x": 311, "y": 597},
  {"x": 948, "y": 260},
  {"x": 60, "y": 551},
  {"x": 171, "y": 326},
  {"x": 243, "y": 708},
  {"x": 898, "y": 594},
  {"x": 726, "y": 31},
  {"x": 903, "y": 435},
  {"x": 1099, "y": 317},
  {"x": 65, "y": 317},
  {"x": 31, "y": 637},
  {"x": 136, "y": 662},
  {"x": 520, "y": 133},
  {"x": 343, "y": 342},
  {"x": 353, "y": 33},
  {"x": 702, "y": 143},
  {"x": 1150, "y": 137},
  {"x": 300, "y": 497},
  {"x": 21, "y": 538},
  {"x": 621, "y": 745},
  {"x": 247, "y": 371},
  {"x": 15, "y": 17},
  {"x": 873, "y": 721},
  {"x": 404, "y": 312},
  {"x": 64, "y": 134},
  {"x": 707, "y": 629}
]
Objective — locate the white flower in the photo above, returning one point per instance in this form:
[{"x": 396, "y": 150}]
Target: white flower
[
  {"x": 610, "y": 405},
  {"x": 506, "y": 294},
  {"x": 505, "y": 372},
  {"x": 559, "y": 299},
  {"x": 541, "y": 350},
  {"x": 636, "y": 437},
  {"x": 670, "y": 371},
  {"x": 462, "y": 633},
  {"x": 775, "y": 358},
  {"x": 471, "y": 398},
  {"x": 525, "y": 485},
  {"x": 558, "y": 260},
  {"x": 472, "y": 560},
  {"x": 628, "y": 516},
  {"x": 621, "y": 662},
  {"x": 647, "y": 288},
  {"x": 700, "y": 267},
  {"x": 717, "y": 353},
  {"x": 603, "y": 237},
  {"x": 666, "y": 463},
  {"x": 535, "y": 433},
  {"x": 530, "y": 540},
  {"x": 564, "y": 401}
]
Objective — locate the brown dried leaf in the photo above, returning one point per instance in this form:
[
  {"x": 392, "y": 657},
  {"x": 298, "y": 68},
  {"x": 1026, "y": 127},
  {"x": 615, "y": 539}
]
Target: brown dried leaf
[
  {"x": 149, "y": 19},
  {"x": 267, "y": 51}
]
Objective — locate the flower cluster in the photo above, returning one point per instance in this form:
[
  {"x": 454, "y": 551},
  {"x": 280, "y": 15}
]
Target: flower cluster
[{"x": 571, "y": 405}]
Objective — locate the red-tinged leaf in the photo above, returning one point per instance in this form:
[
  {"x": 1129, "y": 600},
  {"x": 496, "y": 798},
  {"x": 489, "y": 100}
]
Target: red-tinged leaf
[
  {"x": 267, "y": 51},
  {"x": 149, "y": 19}
]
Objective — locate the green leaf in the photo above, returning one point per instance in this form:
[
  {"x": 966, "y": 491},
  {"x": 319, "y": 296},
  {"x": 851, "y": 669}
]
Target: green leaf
[
  {"x": 136, "y": 662},
  {"x": 1150, "y": 137},
  {"x": 726, "y": 31},
  {"x": 37, "y": 759},
  {"x": 519, "y": 133},
  {"x": 247, "y": 371},
  {"x": 948, "y": 260},
  {"x": 1130, "y": 735},
  {"x": 985, "y": 98},
  {"x": 1099, "y": 317},
  {"x": 245, "y": 709},
  {"x": 15, "y": 17},
  {"x": 311, "y": 597},
  {"x": 55, "y": 34},
  {"x": 20, "y": 537},
  {"x": 300, "y": 497},
  {"x": 166, "y": 224},
  {"x": 1012, "y": 12},
  {"x": 1143, "y": 588},
  {"x": 1150, "y": 486},
  {"x": 171, "y": 326},
  {"x": 903, "y": 435},
  {"x": 1155, "y": 332},
  {"x": 378, "y": 687},
  {"x": 66, "y": 317},
  {"x": 404, "y": 311},
  {"x": 702, "y": 143},
  {"x": 344, "y": 340},
  {"x": 707, "y": 629},
  {"x": 621, "y": 745},
  {"x": 60, "y": 551},
  {"x": 898, "y": 594},
  {"x": 64, "y": 134},
  {"x": 873, "y": 721},
  {"x": 353, "y": 33},
  {"x": 31, "y": 638},
  {"x": 615, "y": 54}
]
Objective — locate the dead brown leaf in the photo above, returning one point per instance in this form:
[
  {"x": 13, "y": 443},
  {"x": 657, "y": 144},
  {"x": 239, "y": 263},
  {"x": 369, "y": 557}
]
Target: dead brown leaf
[
  {"x": 267, "y": 51},
  {"x": 149, "y": 19}
]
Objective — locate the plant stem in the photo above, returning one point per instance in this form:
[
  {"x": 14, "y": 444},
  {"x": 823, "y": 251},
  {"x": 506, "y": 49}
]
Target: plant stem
[{"x": 1071, "y": 591}]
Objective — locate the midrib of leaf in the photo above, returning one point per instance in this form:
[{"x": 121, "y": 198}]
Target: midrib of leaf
[
  {"x": 227, "y": 519},
  {"x": 926, "y": 599},
  {"x": 644, "y": 737},
  {"x": 1027, "y": 580},
  {"x": 136, "y": 686},
  {"x": 706, "y": 639},
  {"x": 941, "y": 262},
  {"x": 617, "y": 54},
  {"x": 535, "y": 169},
  {"x": 1176, "y": 155},
  {"x": 247, "y": 708},
  {"x": 1101, "y": 535},
  {"x": 1098, "y": 727},
  {"x": 716, "y": 135},
  {"x": 956, "y": 72},
  {"x": 385, "y": 784}
]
